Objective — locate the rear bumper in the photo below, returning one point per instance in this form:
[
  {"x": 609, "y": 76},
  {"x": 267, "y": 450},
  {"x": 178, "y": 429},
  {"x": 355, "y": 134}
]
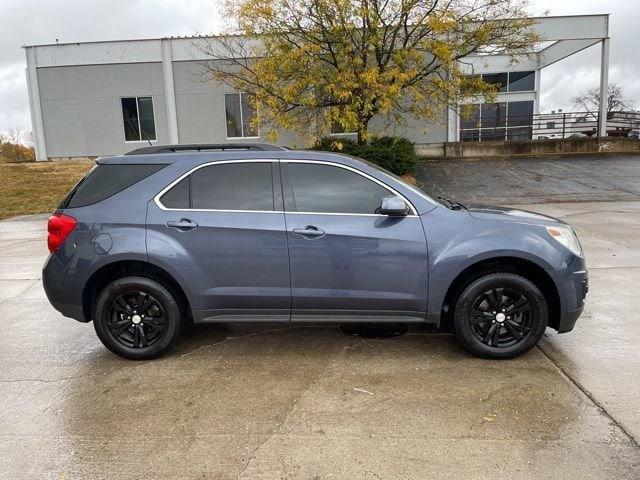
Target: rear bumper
[{"x": 64, "y": 298}]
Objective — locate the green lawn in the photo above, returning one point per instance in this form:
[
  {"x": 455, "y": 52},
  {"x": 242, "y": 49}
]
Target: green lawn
[{"x": 37, "y": 187}]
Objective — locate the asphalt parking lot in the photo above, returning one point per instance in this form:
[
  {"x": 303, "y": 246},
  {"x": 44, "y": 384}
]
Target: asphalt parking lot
[
  {"x": 582, "y": 178},
  {"x": 314, "y": 403}
]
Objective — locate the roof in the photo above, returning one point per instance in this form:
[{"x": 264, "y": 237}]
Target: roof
[
  {"x": 571, "y": 28},
  {"x": 203, "y": 147},
  {"x": 195, "y": 157}
]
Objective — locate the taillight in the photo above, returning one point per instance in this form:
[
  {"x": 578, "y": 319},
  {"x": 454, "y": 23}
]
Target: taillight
[{"x": 59, "y": 228}]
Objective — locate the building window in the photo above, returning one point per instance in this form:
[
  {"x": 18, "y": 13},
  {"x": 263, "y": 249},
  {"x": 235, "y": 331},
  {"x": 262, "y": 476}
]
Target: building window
[
  {"x": 493, "y": 115},
  {"x": 522, "y": 81},
  {"x": 497, "y": 121},
  {"x": 520, "y": 113},
  {"x": 338, "y": 129},
  {"x": 241, "y": 111},
  {"x": 510, "y": 81},
  {"x": 137, "y": 117},
  {"x": 498, "y": 79}
]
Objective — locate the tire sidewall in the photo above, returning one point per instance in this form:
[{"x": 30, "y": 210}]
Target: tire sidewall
[
  {"x": 167, "y": 301},
  {"x": 500, "y": 280}
]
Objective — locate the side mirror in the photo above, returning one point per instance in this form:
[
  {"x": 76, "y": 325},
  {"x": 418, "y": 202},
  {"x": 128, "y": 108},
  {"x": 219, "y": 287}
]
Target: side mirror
[{"x": 394, "y": 207}]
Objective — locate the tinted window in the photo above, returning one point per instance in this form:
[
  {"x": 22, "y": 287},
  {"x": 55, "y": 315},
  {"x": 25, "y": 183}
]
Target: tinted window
[
  {"x": 240, "y": 110},
  {"x": 499, "y": 79},
  {"x": 232, "y": 109},
  {"x": 178, "y": 196},
  {"x": 470, "y": 135},
  {"x": 147, "y": 122},
  {"x": 521, "y": 113},
  {"x": 519, "y": 133},
  {"x": 104, "y": 181},
  {"x": 137, "y": 116},
  {"x": 130, "y": 119},
  {"x": 521, "y": 81},
  {"x": 328, "y": 189},
  {"x": 232, "y": 186},
  {"x": 489, "y": 134},
  {"x": 494, "y": 115},
  {"x": 470, "y": 116}
]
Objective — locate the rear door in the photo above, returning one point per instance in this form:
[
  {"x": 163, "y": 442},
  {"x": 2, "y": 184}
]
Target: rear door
[
  {"x": 348, "y": 262},
  {"x": 221, "y": 231}
]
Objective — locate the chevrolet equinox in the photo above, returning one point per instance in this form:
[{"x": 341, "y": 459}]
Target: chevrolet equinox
[{"x": 163, "y": 236}]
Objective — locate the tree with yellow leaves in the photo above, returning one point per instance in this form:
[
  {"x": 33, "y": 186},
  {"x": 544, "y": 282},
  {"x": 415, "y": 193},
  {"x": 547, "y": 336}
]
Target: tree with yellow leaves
[{"x": 317, "y": 63}]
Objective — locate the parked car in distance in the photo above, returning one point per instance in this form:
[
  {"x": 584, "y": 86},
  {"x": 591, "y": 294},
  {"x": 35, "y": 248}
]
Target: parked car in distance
[{"x": 152, "y": 240}]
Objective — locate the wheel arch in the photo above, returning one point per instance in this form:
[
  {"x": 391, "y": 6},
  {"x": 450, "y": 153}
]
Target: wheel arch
[
  {"x": 504, "y": 264},
  {"x": 121, "y": 268}
]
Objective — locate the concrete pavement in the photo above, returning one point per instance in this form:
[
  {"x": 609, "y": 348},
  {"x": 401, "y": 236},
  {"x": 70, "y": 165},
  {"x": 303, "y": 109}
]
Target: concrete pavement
[{"x": 311, "y": 402}]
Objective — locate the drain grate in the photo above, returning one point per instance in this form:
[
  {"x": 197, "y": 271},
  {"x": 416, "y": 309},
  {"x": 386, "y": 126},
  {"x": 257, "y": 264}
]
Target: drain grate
[{"x": 374, "y": 330}]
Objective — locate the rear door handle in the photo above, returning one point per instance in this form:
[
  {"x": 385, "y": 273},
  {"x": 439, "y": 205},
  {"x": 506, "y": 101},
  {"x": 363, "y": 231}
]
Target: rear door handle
[
  {"x": 309, "y": 231},
  {"x": 184, "y": 224}
]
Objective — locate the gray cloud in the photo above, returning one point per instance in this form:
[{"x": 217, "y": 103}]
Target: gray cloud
[
  {"x": 28, "y": 22},
  {"x": 561, "y": 81},
  {"x": 44, "y": 21}
]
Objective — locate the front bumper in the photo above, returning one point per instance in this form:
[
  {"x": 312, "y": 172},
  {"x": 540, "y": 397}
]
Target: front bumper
[{"x": 573, "y": 292}]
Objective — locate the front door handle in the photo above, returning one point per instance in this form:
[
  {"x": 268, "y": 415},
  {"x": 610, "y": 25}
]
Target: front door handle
[
  {"x": 309, "y": 232},
  {"x": 184, "y": 224}
]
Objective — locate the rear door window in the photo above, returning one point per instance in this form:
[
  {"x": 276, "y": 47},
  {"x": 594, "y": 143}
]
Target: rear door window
[
  {"x": 230, "y": 186},
  {"x": 104, "y": 181}
]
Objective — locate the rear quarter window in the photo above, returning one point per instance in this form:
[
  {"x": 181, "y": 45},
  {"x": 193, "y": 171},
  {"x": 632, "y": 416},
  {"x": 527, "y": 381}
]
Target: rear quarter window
[{"x": 104, "y": 181}]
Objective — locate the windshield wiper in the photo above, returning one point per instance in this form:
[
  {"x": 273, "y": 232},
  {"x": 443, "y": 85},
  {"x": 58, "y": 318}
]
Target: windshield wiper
[{"x": 453, "y": 205}]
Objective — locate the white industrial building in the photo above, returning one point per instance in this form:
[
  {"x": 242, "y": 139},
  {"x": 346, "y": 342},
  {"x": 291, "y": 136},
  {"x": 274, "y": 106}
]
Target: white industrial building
[{"x": 102, "y": 98}]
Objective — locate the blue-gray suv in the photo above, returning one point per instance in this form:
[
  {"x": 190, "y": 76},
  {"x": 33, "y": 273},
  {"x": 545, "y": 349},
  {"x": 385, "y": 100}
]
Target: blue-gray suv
[{"x": 151, "y": 241}]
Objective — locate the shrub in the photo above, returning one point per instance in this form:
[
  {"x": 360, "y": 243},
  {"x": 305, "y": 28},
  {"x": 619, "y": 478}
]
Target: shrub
[
  {"x": 396, "y": 154},
  {"x": 14, "y": 152}
]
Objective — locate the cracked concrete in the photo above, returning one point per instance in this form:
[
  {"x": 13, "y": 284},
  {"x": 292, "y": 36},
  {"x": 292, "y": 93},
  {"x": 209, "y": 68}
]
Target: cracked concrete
[{"x": 270, "y": 402}]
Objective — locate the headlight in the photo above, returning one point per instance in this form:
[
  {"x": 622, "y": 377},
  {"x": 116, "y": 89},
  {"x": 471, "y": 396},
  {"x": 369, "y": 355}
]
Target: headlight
[{"x": 567, "y": 237}]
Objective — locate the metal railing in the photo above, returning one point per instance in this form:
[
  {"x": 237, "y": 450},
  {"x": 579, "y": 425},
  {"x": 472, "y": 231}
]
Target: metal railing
[{"x": 550, "y": 126}]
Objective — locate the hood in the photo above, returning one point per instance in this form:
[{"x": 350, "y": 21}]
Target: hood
[{"x": 489, "y": 212}]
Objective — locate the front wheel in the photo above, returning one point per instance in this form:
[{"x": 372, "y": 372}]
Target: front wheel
[
  {"x": 137, "y": 318},
  {"x": 501, "y": 315}
]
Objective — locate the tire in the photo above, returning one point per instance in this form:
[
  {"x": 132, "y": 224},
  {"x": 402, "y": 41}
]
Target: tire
[
  {"x": 501, "y": 315},
  {"x": 133, "y": 334}
]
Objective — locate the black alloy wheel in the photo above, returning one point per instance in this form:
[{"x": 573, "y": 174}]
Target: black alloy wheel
[
  {"x": 138, "y": 317},
  {"x": 500, "y": 315}
]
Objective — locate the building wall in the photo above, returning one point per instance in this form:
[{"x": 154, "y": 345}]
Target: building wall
[
  {"x": 418, "y": 131},
  {"x": 82, "y": 112},
  {"x": 199, "y": 106},
  {"x": 75, "y": 90},
  {"x": 81, "y": 107},
  {"x": 201, "y": 111}
]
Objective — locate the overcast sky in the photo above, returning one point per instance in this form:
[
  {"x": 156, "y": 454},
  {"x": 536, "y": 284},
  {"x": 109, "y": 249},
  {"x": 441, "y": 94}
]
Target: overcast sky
[{"x": 29, "y": 22}]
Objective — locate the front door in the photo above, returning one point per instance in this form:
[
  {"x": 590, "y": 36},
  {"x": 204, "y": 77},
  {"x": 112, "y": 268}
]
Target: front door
[
  {"x": 221, "y": 232},
  {"x": 349, "y": 263}
]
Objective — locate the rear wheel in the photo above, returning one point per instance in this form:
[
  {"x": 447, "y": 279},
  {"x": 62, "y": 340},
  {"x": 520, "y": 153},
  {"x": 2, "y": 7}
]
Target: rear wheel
[
  {"x": 137, "y": 318},
  {"x": 501, "y": 315}
]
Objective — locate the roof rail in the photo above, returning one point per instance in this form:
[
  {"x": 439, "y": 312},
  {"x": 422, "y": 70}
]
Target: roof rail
[{"x": 196, "y": 147}]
